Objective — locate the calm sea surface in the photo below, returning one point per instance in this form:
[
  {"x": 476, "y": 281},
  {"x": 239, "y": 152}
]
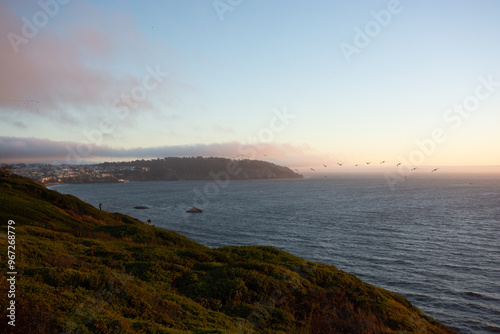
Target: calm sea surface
[{"x": 435, "y": 241}]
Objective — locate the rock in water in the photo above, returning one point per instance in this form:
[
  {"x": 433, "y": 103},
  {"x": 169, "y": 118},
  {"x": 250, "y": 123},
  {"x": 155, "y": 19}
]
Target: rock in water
[{"x": 194, "y": 210}]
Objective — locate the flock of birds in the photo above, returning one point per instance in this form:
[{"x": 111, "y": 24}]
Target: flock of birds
[
  {"x": 340, "y": 164},
  {"x": 369, "y": 162}
]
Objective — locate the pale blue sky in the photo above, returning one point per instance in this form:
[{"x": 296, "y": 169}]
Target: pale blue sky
[{"x": 227, "y": 76}]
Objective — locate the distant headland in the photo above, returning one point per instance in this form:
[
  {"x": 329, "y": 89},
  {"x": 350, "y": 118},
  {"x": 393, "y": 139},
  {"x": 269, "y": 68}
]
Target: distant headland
[{"x": 161, "y": 169}]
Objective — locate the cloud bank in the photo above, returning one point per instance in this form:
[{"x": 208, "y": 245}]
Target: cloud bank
[{"x": 37, "y": 150}]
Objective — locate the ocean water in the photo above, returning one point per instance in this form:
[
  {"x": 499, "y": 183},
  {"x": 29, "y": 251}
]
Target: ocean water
[{"x": 434, "y": 240}]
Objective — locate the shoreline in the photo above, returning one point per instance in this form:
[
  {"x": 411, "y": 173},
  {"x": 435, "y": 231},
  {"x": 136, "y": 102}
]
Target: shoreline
[
  {"x": 47, "y": 185},
  {"x": 283, "y": 271}
]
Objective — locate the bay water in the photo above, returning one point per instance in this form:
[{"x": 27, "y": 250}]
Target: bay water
[{"x": 434, "y": 240}]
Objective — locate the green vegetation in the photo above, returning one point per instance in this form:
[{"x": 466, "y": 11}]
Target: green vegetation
[{"x": 82, "y": 270}]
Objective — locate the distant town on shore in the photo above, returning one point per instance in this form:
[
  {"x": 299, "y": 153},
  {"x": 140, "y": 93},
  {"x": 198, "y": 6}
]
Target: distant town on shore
[{"x": 161, "y": 169}]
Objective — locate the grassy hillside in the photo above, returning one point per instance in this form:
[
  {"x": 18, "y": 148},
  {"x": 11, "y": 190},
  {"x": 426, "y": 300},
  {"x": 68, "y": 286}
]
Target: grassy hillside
[{"x": 82, "y": 270}]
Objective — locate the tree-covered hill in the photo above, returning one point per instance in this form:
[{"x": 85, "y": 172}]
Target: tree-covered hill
[
  {"x": 82, "y": 270},
  {"x": 199, "y": 168}
]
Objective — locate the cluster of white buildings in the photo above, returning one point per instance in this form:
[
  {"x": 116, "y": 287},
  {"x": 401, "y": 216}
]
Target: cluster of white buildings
[{"x": 50, "y": 174}]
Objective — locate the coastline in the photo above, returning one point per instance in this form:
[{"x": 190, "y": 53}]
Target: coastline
[
  {"x": 358, "y": 239},
  {"x": 187, "y": 270}
]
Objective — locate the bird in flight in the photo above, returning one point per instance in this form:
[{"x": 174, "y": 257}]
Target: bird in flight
[
  {"x": 340, "y": 164},
  {"x": 413, "y": 169},
  {"x": 434, "y": 170},
  {"x": 356, "y": 165},
  {"x": 399, "y": 163},
  {"x": 382, "y": 162},
  {"x": 312, "y": 169},
  {"x": 324, "y": 165},
  {"x": 368, "y": 163}
]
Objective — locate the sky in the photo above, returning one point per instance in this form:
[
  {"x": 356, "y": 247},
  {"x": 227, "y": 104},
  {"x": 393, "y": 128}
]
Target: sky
[{"x": 298, "y": 83}]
